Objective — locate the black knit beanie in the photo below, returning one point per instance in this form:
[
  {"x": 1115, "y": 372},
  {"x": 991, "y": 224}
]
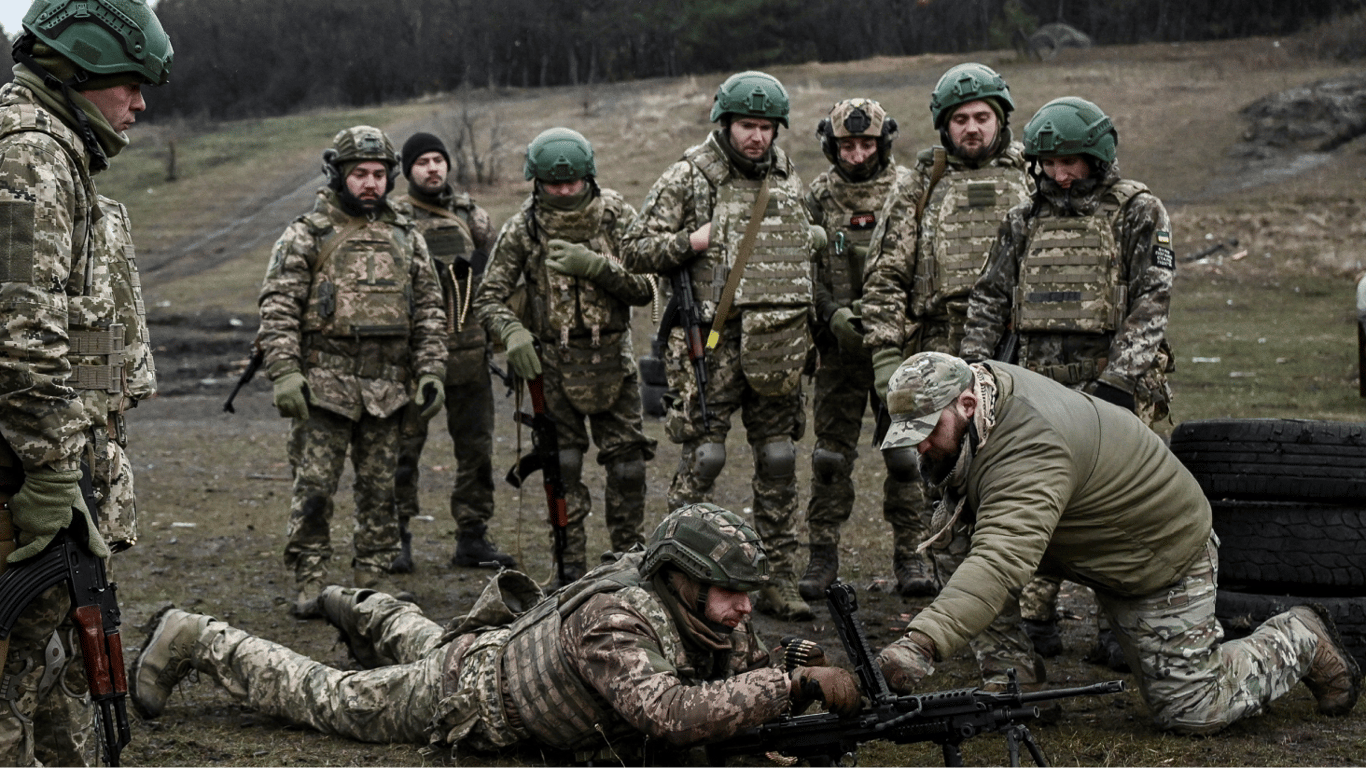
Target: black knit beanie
[{"x": 418, "y": 145}]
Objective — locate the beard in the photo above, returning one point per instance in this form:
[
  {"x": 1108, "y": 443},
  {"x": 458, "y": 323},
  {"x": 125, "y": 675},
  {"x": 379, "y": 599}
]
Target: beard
[
  {"x": 935, "y": 472},
  {"x": 977, "y": 154}
]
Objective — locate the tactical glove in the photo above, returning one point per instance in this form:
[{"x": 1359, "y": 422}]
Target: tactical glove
[
  {"x": 44, "y": 506},
  {"x": 1112, "y": 394},
  {"x": 291, "y": 395},
  {"x": 800, "y": 652},
  {"x": 431, "y": 395},
  {"x": 907, "y": 661},
  {"x": 842, "y": 324},
  {"x": 832, "y": 685},
  {"x": 818, "y": 238},
  {"x": 575, "y": 259},
  {"x": 521, "y": 347},
  {"x": 885, "y": 363}
]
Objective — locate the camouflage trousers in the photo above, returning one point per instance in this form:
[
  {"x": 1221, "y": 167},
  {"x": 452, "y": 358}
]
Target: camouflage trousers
[
  {"x": 623, "y": 449},
  {"x": 843, "y": 386},
  {"x": 387, "y": 704},
  {"x": 469, "y": 419},
  {"x": 317, "y": 454},
  {"x": 772, "y": 427}
]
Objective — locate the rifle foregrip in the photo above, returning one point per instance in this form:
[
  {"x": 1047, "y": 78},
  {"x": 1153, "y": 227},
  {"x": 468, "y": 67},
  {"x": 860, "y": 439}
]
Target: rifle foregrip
[{"x": 91, "y": 626}]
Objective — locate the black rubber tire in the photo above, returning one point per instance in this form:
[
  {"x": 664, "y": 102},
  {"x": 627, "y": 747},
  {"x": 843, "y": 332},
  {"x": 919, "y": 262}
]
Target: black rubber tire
[
  {"x": 1275, "y": 459},
  {"x": 1296, "y": 546},
  {"x": 1242, "y": 612}
]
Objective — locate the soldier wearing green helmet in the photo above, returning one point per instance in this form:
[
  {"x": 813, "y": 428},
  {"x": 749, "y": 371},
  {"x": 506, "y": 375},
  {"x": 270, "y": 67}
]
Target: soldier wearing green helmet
[
  {"x": 1082, "y": 275},
  {"x": 565, "y": 246},
  {"x": 755, "y": 294},
  {"x": 928, "y": 248},
  {"x": 353, "y": 329},
  {"x": 74, "y": 348},
  {"x": 646, "y": 656}
]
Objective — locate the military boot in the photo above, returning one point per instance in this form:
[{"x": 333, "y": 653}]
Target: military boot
[
  {"x": 403, "y": 563},
  {"x": 821, "y": 571},
  {"x": 338, "y": 605},
  {"x": 914, "y": 576},
  {"x": 1334, "y": 677},
  {"x": 167, "y": 657},
  {"x": 474, "y": 550},
  {"x": 780, "y": 599},
  {"x": 1106, "y": 652},
  {"x": 305, "y": 604},
  {"x": 379, "y": 581},
  {"x": 1045, "y": 635}
]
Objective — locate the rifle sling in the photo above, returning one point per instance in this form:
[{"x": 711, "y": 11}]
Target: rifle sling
[
  {"x": 941, "y": 161},
  {"x": 756, "y": 218}
]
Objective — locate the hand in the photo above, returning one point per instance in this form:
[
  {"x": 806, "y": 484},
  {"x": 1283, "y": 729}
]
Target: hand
[
  {"x": 575, "y": 259},
  {"x": 291, "y": 395},
  {"x": 431, "y": 395},
  {"x": 818, "y": 238},
  {"x": 907, "y": 661},
  {"x": 885, "y": 363},
  {"x": 832, "y": 685},
  {"x": 45, "y": 505},
  {"x": 1112, "y": 394},
  {"x": 800, "y": 652},
  {"x": 849, "y": 337},
  {"x": 521, "y": 347},
  {"x": 700, "y": 240}
]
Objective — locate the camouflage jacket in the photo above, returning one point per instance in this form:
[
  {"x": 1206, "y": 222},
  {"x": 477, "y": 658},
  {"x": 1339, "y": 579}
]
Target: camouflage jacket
[
  {"x": 47, "y": 272},
  {"x": 1144, "y": 265},
  {"x": 561, "y": 307},
  {"x": 850, "y": 213},
  {"x": 351, "y": 375},
  {"x": 889, "y": 316}
]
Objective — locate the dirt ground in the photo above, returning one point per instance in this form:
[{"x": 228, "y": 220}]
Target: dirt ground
[{"x": 214, "y": 488}]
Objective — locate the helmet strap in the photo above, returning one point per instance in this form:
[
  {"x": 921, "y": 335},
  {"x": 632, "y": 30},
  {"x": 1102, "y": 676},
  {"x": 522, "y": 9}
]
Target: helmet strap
[{"x": 22, "y": 52}]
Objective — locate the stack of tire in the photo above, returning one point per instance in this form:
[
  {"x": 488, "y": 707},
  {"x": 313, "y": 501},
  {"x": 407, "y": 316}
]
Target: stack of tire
[{"x": 1289, "y": 501}]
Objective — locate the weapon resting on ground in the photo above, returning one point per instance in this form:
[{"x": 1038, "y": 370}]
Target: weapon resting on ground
[
  {"x": 947, "y": 718},
  {"x": 258, "y": 356},
  {"x": 545, "y": 457}
]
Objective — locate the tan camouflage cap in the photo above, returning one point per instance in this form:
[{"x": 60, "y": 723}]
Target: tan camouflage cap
[{"x": 918, "y": 392}]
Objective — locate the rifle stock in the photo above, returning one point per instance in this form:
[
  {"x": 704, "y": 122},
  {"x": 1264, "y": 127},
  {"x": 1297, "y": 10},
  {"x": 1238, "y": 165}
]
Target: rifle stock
[
  {"x": 258, "y": 356},
  {"x": 545, "y": 457}
]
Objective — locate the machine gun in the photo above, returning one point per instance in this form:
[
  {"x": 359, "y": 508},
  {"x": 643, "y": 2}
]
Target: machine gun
[
  {"x": 94, "y": 609},
  {"x": 683, "y": 311},
  {"x": 545, "y": 457},
  {"x": 947, "y": 718}
]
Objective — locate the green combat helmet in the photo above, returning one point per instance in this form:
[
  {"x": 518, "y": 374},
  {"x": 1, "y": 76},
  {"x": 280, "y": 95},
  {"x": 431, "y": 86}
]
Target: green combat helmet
[
  {"x": 917, "y": 394},
  {"x": 559, "y": 155},
  {"x": 710, "y": 544},
  {"x": 856, "y": 117},
  {"x": 357, "y": 144},
  {"x": 104, "y": 37},
  {"x": 1070, "y": 126},
  {"x": 751, "y": 94},
  {"x": 964, "y": 83}
]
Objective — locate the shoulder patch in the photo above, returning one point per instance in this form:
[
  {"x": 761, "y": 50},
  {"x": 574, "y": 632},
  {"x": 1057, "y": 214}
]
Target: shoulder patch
[{"x": 1163, "y": 255}]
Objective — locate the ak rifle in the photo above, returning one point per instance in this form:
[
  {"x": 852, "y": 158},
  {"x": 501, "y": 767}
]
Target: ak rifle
[
  {"x": 683, "y": 312},
  {"x": 545, "y": 458}
]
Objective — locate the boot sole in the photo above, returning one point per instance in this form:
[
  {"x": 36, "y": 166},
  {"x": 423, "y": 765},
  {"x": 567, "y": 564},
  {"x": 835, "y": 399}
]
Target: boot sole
[{"x": 153, "y": 627}]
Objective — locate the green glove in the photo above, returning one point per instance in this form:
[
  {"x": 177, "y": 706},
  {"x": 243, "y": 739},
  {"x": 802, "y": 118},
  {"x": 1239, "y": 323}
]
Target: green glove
[
  {"x": 818, "y": 238},
  {"x": 575, "y": 259},
  {"x": 885, "y": 363},
  {"x": 431, "y": 395},
  {"x": 521, "y": 347},
  {"x": 842, "y": 324},
  {"x": 43, "y": 506},
  {"x": 291, "y": 395}
]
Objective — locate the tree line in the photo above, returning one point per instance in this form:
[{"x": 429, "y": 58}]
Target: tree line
[{"x": 237, "y": 58}]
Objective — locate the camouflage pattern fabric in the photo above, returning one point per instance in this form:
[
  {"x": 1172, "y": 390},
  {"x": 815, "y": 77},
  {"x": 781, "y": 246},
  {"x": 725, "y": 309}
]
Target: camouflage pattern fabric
[
  {"x": 850, "y": 213},
  {"x": 469, "y": 420},
  {"x": 317, "y": 454}
]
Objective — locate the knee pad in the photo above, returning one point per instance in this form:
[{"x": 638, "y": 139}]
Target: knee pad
[
  {"x": 903, "y": 464},
  {"x": 314, "y": 505},
  {"x": 709, "y": 459},
  {"x": 827, "y": 465},
  {"x": 627, "y": 474},
  {"x": 776, "y": 460},
  {"x": 404, "y": 474},
  {"x": 571, "y": 465}
]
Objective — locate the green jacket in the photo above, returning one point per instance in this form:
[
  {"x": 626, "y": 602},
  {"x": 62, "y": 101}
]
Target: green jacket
[{"x": 1073, "y": 487}]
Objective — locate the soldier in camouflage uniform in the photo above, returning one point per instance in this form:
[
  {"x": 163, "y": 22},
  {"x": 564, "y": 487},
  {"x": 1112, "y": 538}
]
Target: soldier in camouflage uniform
[
  {"x": 846, "y": 201},
  {"x": 1082, "y": 274},
  {"x": 695, "y": 218},
  {"x": 75, "y": 348},
  {"x": 352, "y": 329},
  {"x": 566, "y": 245},
  {"x": 460, "y": 238},
  {"x": 938, "y": 226},
  {"x": 653, "y": 651},
  {"x": 1035, "y": 475}
]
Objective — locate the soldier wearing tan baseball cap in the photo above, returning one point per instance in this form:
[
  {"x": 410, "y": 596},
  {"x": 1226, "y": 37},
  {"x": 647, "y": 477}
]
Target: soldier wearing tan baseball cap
[{"x": 917, "y": 394}]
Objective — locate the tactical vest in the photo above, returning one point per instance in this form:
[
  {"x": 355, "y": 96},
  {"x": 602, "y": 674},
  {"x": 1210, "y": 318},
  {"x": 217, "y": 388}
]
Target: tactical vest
[
  {"x": 957, "y": 230},
  {"x": 1071, "y": 277},
  {"x": 553, "y": 702},
  {"x": 851, "y": 213},
  {"x": 114, "y": 237},
  {"x": 361, "y": 282}
]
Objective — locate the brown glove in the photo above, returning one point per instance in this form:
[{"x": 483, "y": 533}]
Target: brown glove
[
  {"x": 832, "y": 685},
  {"x": 908, "y": 660},
  {"x": 800, "y": 652}
]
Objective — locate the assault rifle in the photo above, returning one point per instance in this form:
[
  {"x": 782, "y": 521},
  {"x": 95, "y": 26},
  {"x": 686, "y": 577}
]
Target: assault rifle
[
  {"x": 947, "y": 718},
  {"x": 545, "y": 457},
  {"x": 683, "y": 311},
  {"x": 94, "y": 609},
  {"x": 258, "y": 356}
]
